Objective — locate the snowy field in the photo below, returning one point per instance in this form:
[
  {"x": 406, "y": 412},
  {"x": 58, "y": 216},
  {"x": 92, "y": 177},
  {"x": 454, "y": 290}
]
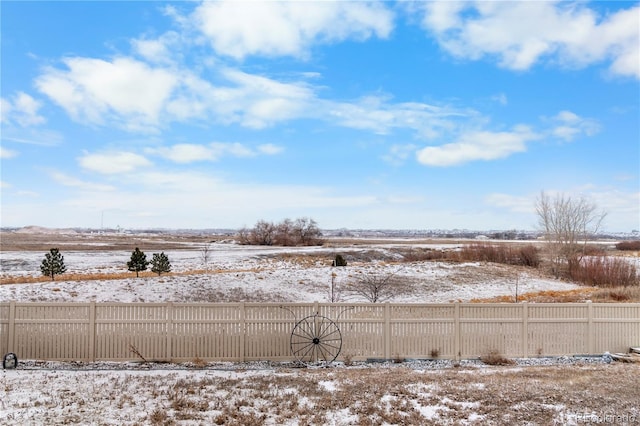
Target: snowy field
[
  {"x": 235, "y": 273},
  {"x": 572, "y": 392},
  {"x": 565, "y": 391}
]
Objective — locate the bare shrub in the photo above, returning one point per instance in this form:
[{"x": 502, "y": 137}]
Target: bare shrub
[
  {"x": 435, "y": 353},
  {"x": 339, "y": 261},
  {"x": 348, "y": 359},
  {"x": 158, "y": 417},
  {"x": 374, "y": 288},
  {"x": 199, "y": 362},
  {"x": 528, "y": 255},
  {"x": 424, "y": 254},
  {"x": 263, "y": 233},
  {"x": 301, "y": 232},
  {"x": 494, "y": 357},
  {"x": 602, "y": 271},
  {"x": 628, "y": 245}
]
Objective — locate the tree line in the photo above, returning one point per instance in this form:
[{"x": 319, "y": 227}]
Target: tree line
[{"x": 303, "y": 231}]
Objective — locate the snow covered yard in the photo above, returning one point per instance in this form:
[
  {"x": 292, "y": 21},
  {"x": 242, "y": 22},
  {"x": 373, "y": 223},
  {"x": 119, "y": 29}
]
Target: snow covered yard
[{"x": 271, "y": 394}]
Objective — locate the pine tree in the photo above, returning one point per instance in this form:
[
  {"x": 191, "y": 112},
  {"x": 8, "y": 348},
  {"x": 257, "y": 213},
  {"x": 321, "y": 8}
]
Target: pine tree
[
  {"x": 53, "y": 264},
  {"x": 160, "y": 263},
  {"x": 138, "y": 261}
]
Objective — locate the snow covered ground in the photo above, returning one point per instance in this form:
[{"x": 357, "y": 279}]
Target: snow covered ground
[
  {"x": 246, "y": 273},
  {"x": 43, "y": 393}
]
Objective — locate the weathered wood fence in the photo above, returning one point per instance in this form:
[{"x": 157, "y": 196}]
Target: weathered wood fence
[{"x": 261, "y": 331}]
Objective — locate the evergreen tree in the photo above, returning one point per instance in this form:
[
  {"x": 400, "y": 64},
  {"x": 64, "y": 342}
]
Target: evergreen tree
[
  {"x": 138, "y": 261},
  {"x": 53, "y": 264},
  {"x": 160, "y": 263}
]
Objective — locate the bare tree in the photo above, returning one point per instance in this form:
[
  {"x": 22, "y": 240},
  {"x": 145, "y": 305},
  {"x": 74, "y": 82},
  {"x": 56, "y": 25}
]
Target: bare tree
[
  {"x": 244, "y": 236},
  {"x": 205, "y": 255},
  {"x": 335, "y": 289},
  {"x": 284, "y": 233},
  {"x": 567, "y": 223},
  {"x": 263, "y": 233},
  {"x": 374, "y": 288},
  {"x": 306, "y": 231},
  {"x": 303, "y": 231}
]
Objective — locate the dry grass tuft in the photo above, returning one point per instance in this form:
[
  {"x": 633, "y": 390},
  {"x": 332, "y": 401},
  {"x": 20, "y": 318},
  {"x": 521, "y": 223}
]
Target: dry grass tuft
[
  {"x": 617, "y": 294},
  {"x": 494, "y": 357}
]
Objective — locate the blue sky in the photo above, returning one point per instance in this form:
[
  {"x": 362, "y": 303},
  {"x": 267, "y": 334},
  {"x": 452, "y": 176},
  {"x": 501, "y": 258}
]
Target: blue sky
[{"x": 407, "y": 115}]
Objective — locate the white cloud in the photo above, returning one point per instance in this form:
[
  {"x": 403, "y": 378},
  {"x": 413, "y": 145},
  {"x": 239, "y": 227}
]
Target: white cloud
[
  {"x": 189, "y": 153},
  {"x": 501, "y": 98},
  {"x": 270, "y": 149},
  {"x": 398, "y": 153},
  {"x": 270, "y": 28},
  {"x": 478, "y": 145},
  {"x": 184, "y": 153},
  {"x": 517, "y": 204},
  {"x": 196, "y": 199},
  {"x": 21, "y": 110},
  {"x": 70, "y": 181},
  {"x": 124, "y": 90},
  {"x": 7, "y": 153},
  {"x": 160, "y": 50},
  {"x": 113, "y": 162},
  {"x": 31, "y": 136},
  {"x": 234, "y": 149},
  {"x": 258, "y": 101},
  {"x": 568, "y": 125},
  {"x": 521, "y": 34},
  {"x": 376, "y": 114}
]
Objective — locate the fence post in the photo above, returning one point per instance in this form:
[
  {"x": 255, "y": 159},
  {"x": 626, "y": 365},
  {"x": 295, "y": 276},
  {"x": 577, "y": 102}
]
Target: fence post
[
  {"x": 525, "y": 329},
  {"x": 243, "y": 332},
  {"x": 387, "y": 330},
  {"x": 456, "y": 330},
  {"x": 590, "y": 330},
  {"x": 92, "y": 331},
  {"x": 12, "y": 327},
  {"x": 168, "y": 350}
]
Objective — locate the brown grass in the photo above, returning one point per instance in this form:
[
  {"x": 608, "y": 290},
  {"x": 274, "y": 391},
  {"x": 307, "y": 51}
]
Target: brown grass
[
  {"x": 494, "y": 357},
  {"x": 600, "y": 295},
  {"x": 369, "y": 396},
  {"x": 92, "y": 276},
  {"x": 546, "y": 296}
]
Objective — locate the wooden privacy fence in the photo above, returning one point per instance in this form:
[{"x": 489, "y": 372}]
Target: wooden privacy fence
[{"x": 261, "y": 331}]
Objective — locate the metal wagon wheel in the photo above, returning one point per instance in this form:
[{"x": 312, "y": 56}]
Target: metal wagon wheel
[{"x": 316, "y": 340}]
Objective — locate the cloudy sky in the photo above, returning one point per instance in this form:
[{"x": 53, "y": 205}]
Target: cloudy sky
[{"x": 397, "y": 115}]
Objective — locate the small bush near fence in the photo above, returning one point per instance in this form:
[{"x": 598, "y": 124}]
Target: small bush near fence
[{"x": 494, "y": 357}]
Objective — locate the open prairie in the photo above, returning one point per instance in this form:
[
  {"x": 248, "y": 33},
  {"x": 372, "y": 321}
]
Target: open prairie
[
  {"x": 228, "y": 272},
  {"x": 544, "y": 391}
]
